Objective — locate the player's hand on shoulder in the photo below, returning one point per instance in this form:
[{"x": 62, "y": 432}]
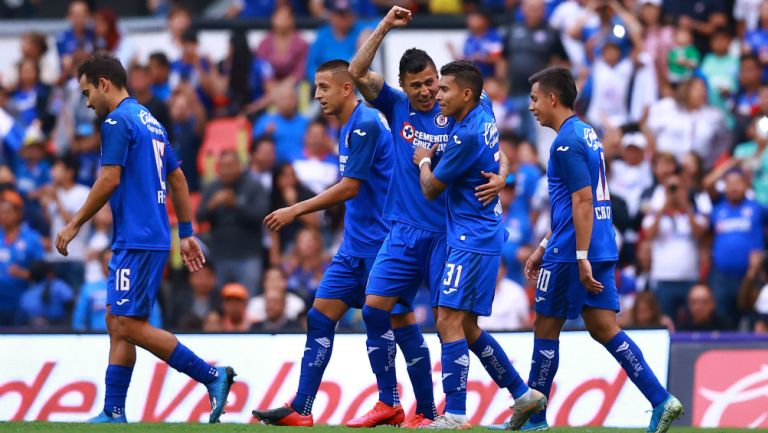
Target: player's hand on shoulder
[
  {"x": 191, "y": 253},
  {"x": 279, "y": 218},
  {"x": 533, "y": 264},
  {"x": 488, "y": 191},
  {"x": 587, "y": 280},
  {"x": 398, "y": 17}
]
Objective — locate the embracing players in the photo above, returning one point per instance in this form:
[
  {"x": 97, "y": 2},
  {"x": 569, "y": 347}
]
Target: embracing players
[
  {"x": 574, "y": 265},
  {"x": 137, "y": 163}
]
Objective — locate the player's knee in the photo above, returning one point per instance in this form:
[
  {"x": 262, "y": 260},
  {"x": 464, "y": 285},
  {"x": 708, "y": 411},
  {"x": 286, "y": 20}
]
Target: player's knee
[
  {"x": 602, "y": 332},
  {"x": 402, "y": 320},
  {"x": 449, "y": 324}
]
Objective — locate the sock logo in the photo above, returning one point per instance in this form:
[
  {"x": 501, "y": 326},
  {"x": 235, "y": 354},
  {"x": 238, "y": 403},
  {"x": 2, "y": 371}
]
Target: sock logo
[
  {"x": 389, "y": 335},
  {"x": 463, "y": 361},
  {"x": 445, "y": 375},
  {"x": 549, "y": 354},
  {"x": 488, "y": 351},
  {"x": 624, "y": 346},
  {"x": 371, "y": 349},
  {"x": 413, "y": 362},
  {"x": 324, "y": 341},
  {"x": 424, "y": 345}
]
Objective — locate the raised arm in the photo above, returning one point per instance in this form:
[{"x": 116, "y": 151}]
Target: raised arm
[{"x": 370, "y": 83}]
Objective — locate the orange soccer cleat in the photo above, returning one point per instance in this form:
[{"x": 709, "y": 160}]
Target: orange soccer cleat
[
  {"x": 381, "y": 414},
  {"x": 285, "y": 416},
  {"x": 416, "y": 421}
]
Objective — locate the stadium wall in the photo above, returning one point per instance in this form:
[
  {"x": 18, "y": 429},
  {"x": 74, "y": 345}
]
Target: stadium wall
[{"x": 60, "y": 378}]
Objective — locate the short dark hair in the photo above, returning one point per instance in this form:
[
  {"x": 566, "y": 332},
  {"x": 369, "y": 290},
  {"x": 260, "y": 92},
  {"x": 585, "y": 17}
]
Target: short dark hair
[
  {"x": 103, "y": 65},
  {"x": 465, "y": 74},
  {"x": 750, "y": 57},
  {"x": 189, "y": 35},
  {"x": 70, "y": 162},
  {"x": 38, "y": 39},
  {"x": 559, "y": 81},
  {"x": 160, "y": 58},
  {"x": 337, "y": 68},
  {"x": 414, "y": 61}
]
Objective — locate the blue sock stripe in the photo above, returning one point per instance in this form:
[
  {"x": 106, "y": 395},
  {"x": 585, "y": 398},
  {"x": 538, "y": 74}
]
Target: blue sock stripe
[
  {"x": 631, "y": 358},
  {"x": 544, "y": 363},
  {"x": 455, "y": 359},
  {"x": 497, "y": 364},
  {"x": 117, "y": 379},
  {"x": 317, "y": 352},
  {"x": 185, "y": 361}
]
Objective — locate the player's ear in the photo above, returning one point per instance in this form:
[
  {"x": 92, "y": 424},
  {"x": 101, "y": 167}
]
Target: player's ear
[
  {"x": 467, "y": 94},
  {"x": 103, "y": 84}
]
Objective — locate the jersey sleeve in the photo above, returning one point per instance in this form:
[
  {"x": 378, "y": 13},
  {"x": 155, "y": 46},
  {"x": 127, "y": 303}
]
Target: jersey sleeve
[
  {"x": 387, "y": 100},
  {"x": 458, "y": 157},
  {"x": 115, "y": 141},
  {"x": 571, "y": 159},
  {"x": 363, "y": 139},
  {"x": 171, "y": 162}
]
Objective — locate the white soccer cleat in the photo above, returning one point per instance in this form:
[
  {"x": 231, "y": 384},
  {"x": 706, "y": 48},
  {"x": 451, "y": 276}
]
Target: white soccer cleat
[
  {"x": 528, "y": 404},
  {"x": 449, "y": 422}
]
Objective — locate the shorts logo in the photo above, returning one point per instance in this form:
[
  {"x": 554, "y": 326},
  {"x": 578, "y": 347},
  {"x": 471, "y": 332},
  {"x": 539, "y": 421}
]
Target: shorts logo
[
  {"x": 449, "y": 291},
  {"x": 408, "y": 131},
  {"x": 441, "y": 121},
  {"x": 122, "y": 301}
]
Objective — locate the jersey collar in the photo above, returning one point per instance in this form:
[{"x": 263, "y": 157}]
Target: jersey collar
[{"x": 127, "y": 98}]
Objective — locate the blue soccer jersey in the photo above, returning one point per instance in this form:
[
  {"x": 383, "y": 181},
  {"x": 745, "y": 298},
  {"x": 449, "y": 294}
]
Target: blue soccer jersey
[
  {"x": 133, "y": 139},
  {"x": 473, "y": 147},
  {"x": 576, "y": 160},
  {"x": 365, "y": 154}
]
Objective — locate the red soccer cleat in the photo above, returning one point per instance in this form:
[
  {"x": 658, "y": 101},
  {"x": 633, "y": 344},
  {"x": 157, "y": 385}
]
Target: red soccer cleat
[
  {"x": 416, "y": 421},
  {"x": 284, "y": 416},
  {"x": 381, "y": 414}
]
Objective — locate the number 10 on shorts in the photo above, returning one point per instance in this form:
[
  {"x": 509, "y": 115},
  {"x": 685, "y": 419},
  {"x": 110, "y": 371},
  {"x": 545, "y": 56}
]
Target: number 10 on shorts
[
  {"x": 543, "y": 282},
  {"x": 123, "y": 282}
]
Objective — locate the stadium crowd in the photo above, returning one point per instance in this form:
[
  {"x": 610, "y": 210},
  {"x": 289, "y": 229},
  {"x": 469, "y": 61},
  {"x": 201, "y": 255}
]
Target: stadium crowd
[{"x": 678, "y": 91}]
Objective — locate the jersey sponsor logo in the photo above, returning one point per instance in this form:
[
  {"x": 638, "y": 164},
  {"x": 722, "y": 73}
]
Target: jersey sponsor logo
[
  {"x": 590, "y": 136},
  {"x": 491, "y": 134},
  {"x": 441, "y": 121},
  {"x": 111, "y": 121},
  {"x": 346, "y": 140},
  {"x": 151, "y": 123},
  {"x": 563, "y": 148},
  {"x": 418, "y": 138},
  {"x": 360, "y": 132}
]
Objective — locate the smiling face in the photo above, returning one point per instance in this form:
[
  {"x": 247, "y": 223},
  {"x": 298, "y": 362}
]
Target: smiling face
[
  {"x": 97, "y": 100},
  {"x": 421, "y": 88},
  {"x": 330, "y": 93},
  {"x": 451, "y": 97}
]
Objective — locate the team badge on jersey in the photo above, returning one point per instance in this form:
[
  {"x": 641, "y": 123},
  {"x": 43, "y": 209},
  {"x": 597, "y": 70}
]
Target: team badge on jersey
[
  {"x": 408, "y": 131},
  {"x": 441, "y": 121}
]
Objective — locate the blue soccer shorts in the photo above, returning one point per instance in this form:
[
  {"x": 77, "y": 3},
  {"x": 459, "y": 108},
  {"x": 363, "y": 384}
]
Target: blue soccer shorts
[
  {"x": 469, "y": 281},
  {"x": 133, "y": 281},
  {"x": 559, "y": 292},
  {"x": 408, "y": 258},
  {"x": 345, "y": 280}
]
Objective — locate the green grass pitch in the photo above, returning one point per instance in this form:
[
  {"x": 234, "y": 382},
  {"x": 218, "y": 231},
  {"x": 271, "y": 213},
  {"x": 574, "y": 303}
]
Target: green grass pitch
[{"x": 39, "y": 427}]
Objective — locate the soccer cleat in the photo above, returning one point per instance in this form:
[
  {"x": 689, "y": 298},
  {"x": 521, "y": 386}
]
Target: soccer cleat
[
  {"x": 284, "y": 416},
  {"x": 381, "y": 414},
  {"x": 449, "y": 422},
  {"x": 104, "y": 418},
  {"x": 218, "y": 390},
  {"x": 416, "y": 421},
  {"x": 528, "y": 426},
  {"x": 528, "y": 404},
  {"x": 664, "y": 414}
]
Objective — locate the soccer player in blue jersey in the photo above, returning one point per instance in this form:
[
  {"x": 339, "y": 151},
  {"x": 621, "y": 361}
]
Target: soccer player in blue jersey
[
  {"x": 138, "y": 168},
  {"x": 415, "y": 250},
  {"x": 475, "y": 237},
  {"x": 574, "y": 265},
  {"x": 365, "y": 165}
]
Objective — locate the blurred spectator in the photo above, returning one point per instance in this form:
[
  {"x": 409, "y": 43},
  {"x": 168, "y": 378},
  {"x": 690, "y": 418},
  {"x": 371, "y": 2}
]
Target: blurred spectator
[
  {"x": 508, "y": 116},
  {"x": 98, "y": 241},
  {"x": 745, "y": 101},
  {"x": 60, "y": 201},
  {"x": 756, "y": 40},
  {"x": 567, "y": 15},
  {"x": 250, "y": 8},
  {"x": 286, "y": 125},
  {"x": 631, "y": 174},
  {"x": 284, "y": 48},
  {"x": 686, "y": 123},
  {"x": 33, "y": 172},
  {"x": 232, "y": 316},
  {"x": 511, "y": 308},
  {"x": 192, "y": 304},
  {"x": 245, "y": 80},
  {"x": 20, "y": 247},
  {"x": 140, "y": 84},
  {"x": 658, "y": 37},
  {"x": 34, "y": 46},
  {"x": 49, "y": 302},
  {"x": 193, "y": 68},
  {"x": 609, "y": 28},
  {"x": 647, "y": 314},
  {"x": 186, "y": 128},
  {"x": 108, "y": 37},
  {"x": 607, "y": 88},
  {"x": 483, "y": 46},
  {"x": 702, "y": 17},
  {"x": 516, "y": 221},
  {"x": 693, "y": 176},
  {"x": 318, "y": 167},
  {"x": 159, "y": 69},
  {"x": 338, "y": 39},
  {"x": 29, "y": 102},
  {"x": 701, "y": 314},
  {"x": 674, "y": 233},
  {"x": 737, "y": 233},
  {"x": 306, "y": 263},
  {"x": 747, "y": 15},
  {"x": 179, "y": 20},
  {"x": 721, "y": 70},
  {"x": 277, "y": 310},
  {"x": 287, "y": 191},
  {"x": 761, "y": 310},
  {"x": 683, "y": 57},
  {"x": 86, "y": 148},
  {"x": 529, "y": 47},
  {"x": 235, "y": 206},
  {"x": 754, "y": 158},
  {"x": 78, "y": 37},
  {"x": 263, "y": 162}
]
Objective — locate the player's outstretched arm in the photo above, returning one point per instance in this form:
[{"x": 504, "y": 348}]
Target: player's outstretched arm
[
  {"x": 106, "y": 183},
  {"x": 583, "y": 221},
  {"x": 370, "y": 83},
  {"x": 344, "y": 190},
  {"x": 431, "y": 186},
  {"x": 488, "y": 191},
  {"x": 190, "y": 251}
]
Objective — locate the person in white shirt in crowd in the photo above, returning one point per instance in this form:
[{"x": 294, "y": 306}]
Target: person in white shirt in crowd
[
  {"x": 675, "y": 233},
  {"x": 564, "y": 18},
  {"x": 60, "y": 201},
  {"x": 685, "y": 123},
  {"x": 511, "y": 308},
  {"x": 317, "y": 168},
  {"x": 608, "y": 86},
  {"x": 631, "y": 174},
  {"x": 747, "y": 15},
  {"x": 262, "y": 163},
  {"x": 275, "y": 288},
  {"x": 99, "y": 240}
]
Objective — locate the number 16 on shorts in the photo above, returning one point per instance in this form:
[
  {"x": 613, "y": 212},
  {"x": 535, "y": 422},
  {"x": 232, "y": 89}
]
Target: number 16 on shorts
[{"x": 123, "y": 280}]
